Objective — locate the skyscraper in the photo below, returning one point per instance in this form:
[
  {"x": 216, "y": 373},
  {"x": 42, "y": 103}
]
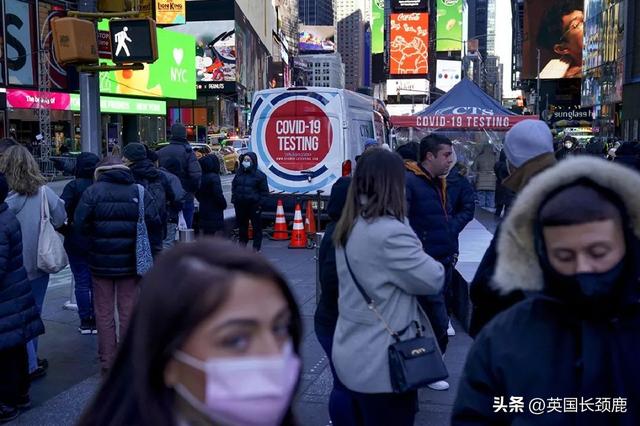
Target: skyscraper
[
  {"x": 316, "y": 12},
  {"x": 351, "y": 16}
]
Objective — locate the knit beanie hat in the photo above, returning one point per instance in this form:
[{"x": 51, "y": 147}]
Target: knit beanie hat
[
  {"x": 178, "y": 131},
  {"x": 526, "y": 140},
  {"x": 134, "y": 152}
]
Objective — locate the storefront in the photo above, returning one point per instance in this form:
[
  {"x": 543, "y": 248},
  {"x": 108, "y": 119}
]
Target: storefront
[{"x": 22, "y": 110}]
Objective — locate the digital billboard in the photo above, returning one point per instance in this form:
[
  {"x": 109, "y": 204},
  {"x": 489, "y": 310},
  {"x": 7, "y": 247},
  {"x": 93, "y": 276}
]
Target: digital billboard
[
  {"x": 171, "y": 11},
  {"x": 448, "y": 74},
  {"x": 215, "y": 49},
  {"x": 317, "y": 39},
  {"x": 556, "y": 28},
  {"x": 409, "y": 44},
  {"x": 449, "y": 25},
  {"x": 171, "y": 76},
  {"x": 21, "y": 44},
  {"x": 408, "y": 86},
  {"x": 377, "y": 26},
  {"x": 402, "y": 5}
]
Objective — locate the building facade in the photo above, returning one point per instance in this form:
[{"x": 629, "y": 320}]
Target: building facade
[
  {"x": 350, "y": 16},
  {"x": 325, "y": 70},
  {"x": 316, "y": 12}
]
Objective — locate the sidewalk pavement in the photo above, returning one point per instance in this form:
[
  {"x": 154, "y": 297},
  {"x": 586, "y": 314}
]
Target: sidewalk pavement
[{"x": 73, "y": 376}]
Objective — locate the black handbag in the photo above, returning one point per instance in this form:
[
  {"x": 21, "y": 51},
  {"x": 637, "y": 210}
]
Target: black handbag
[{"x": 413, "y": 363}]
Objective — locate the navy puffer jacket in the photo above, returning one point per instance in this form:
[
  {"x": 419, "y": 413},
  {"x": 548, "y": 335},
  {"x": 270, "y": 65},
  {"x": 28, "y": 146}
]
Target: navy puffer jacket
[
  {"x": 462, "y": 198},
  {"x": 108, "y": 214},
  {"x": 74, "y": 242},
  {"x": 210, "y": 195},
  {"x": 431, "y": 215},
  {"x": 19, "y": 318},
  {"x": 249, "y": 187}
]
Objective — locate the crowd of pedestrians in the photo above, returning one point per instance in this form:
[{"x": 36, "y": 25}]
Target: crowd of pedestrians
[{"x": 204, "y": 338}]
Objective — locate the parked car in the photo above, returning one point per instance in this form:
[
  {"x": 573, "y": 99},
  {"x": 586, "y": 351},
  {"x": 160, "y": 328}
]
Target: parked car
[{"x": 231, "y": 157}]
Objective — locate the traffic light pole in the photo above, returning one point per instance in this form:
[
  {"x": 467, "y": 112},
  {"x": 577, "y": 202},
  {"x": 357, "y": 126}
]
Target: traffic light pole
[{"x": 90, "y": 123}]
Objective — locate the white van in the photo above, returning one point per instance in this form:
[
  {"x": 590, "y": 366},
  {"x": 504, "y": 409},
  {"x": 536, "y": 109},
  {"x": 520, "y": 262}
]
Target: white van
[{"x": 308, "y": 137}]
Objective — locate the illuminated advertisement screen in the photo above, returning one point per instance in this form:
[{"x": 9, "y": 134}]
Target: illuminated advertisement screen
[
  {"x": 409, "y": 44},
  {"x": 377, "y": 26},
  {"x": 556, "y": 28},
  {"x": 317, "y": 39},
  {"x": 449, "y": 25}
]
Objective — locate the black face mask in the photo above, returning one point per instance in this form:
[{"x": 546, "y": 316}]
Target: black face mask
[{"x": 589, "y": 294}]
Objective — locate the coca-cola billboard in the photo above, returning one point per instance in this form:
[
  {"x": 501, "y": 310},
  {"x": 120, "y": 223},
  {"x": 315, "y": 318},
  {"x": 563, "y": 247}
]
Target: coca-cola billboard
[{"x": 409, "y": 5}]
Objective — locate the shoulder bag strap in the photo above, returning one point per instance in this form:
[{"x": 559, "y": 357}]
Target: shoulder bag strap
[
  {"x": 370, "y": 303},
  {"x": 44, "y": 204},
  {"x": 140, "y": 202}
]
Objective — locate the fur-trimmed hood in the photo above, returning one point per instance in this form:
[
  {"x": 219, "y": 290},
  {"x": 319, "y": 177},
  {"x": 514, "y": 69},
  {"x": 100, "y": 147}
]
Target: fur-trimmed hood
[{"x": 518, "y": 266}]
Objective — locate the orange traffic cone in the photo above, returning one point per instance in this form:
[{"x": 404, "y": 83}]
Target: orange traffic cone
[
  {"x": 298, "y": 236},
  {"x": 280, "y": 232},
  {"x": 250, "y": 232},
  {"x": 310, "y": 220}
]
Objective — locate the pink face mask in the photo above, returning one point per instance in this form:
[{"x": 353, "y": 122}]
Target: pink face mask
[{"x": 245, "y": 391}]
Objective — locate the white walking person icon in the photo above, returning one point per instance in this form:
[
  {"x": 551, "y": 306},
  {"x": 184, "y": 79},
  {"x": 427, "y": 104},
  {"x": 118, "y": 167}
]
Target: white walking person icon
[{"x": 121, "y": 39}]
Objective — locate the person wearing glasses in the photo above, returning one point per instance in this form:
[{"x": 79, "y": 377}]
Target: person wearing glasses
[{"x": 561, "y": 32}]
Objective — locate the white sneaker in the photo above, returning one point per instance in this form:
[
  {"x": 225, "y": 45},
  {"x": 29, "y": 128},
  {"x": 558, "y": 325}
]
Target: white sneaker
[
  {"x": 440, "y": 385},
  {"x": 450, "y": 330}
]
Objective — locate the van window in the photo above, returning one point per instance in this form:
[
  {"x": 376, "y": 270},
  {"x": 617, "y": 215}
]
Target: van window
[{"x": 379, "y": 128}]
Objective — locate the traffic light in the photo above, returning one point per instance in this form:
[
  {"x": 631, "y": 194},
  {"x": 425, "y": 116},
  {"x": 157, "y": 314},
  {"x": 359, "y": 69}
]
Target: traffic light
[
  {"x": 74, "y": 41},
  {"x": 113, "y": 6}
]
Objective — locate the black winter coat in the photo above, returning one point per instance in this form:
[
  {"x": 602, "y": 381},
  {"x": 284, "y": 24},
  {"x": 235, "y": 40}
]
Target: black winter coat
[
  {"x": 19, "y": 317},
  {"x": 488, "y": 302},
  {"x": 154, "y": 181},
  {"x": 462, "y": 198},
  {"x": 210, "y": 196},
  {"x": 190, "y": 172},
  {"x": 108, "y": 214},
  {"x": 430, "y": 214},
  {"x": 326, "y": 316},
  {"x": 538, "y": 349},
  {"x": 249, "y": 187},
  {"x": 504, "y": 196},
  {"x": 76, "y": 243}
]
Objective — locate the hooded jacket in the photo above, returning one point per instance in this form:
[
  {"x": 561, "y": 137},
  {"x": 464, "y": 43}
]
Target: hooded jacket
[
  {"x": 190, "y": 172},
  {"x": 19, "y": 317},
  {"x": 249, "y": 187},
  {"x": 171, "y": 173},
  {"x": 326, "y": 315},
  {"x": 75, "y": 243},
  {"x": 430, "y": 213},
  {"x": 108, "y": 215},
  {"x": 487, "y": 302},
  {"x": 540, "y": 348},
  {"x": 210, "y": 196}
]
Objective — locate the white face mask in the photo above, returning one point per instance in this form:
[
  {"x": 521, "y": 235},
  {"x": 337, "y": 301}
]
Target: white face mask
[
  {"x": 245, "y": 391},
  {"x": 246, "y": 164}
]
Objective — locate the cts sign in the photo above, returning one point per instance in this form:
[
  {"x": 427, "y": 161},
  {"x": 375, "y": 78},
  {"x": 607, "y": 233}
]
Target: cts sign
[{"x": 298, "y": 142}]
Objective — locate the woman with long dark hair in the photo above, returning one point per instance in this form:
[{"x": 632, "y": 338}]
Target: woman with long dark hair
[
  {"x": 386, "y": 257},
  {"x": 214, "y": 340}
]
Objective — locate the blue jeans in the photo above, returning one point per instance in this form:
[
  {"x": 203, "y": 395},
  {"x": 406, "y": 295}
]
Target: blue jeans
[
  {"x": 170, "y": 239},
  {"x": 188, "y": 208},
  {"x": 341, "y": 404},
  {"x": 39, "y": 289},
  {"x": 486, "y": 198},
  {"x": 84, "y": 286}
]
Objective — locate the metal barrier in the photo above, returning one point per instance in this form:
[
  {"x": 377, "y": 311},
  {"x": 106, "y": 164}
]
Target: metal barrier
[{"x": 71, "y": 304}]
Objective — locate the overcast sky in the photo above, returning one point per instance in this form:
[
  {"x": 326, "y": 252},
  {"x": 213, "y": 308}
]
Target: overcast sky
[{"x": 503, "y": 44}]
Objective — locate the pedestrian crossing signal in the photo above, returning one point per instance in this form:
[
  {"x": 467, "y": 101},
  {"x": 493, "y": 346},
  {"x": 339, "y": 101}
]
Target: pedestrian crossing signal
[{"x": 133, "y": 40}]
